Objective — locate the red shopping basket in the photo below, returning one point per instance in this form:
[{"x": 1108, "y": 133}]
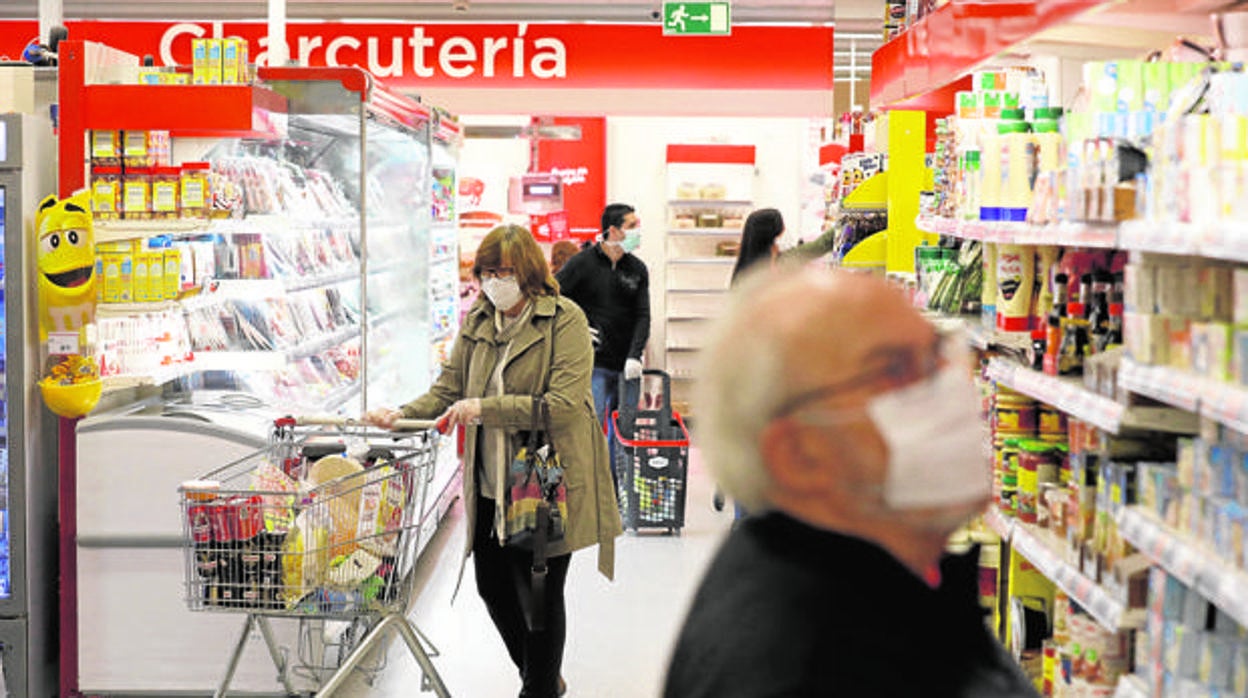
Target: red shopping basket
[{"x": 652, "y": 463}]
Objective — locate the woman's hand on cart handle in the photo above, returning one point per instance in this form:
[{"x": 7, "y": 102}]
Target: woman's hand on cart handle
[
  {"x": 383, "y": 417},
  {"x": 463, "y": 413}
]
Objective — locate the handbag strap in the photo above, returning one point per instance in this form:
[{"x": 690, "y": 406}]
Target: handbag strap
[{"x": 541, "y": 408}]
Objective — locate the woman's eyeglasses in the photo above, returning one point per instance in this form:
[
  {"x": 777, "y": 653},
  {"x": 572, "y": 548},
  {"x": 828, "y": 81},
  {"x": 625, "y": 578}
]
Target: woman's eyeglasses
[{"x": 497, "y": 272}]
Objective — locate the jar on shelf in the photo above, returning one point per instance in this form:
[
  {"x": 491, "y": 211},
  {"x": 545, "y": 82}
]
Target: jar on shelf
[
  {"x": 106, "y": 193},
  {"x": 136, "y": 149},
  {"x": 106, "y": 148},
  {"x": 137, "y": 194},
  {"x": 1038, "y": 463},
  {"x": 165, "y": 184},
  {"x": 193, "y": 190}
]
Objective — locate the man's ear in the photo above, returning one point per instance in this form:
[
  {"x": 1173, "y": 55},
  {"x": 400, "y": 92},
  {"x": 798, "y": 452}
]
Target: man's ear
[{"x": 791, "y": 460}]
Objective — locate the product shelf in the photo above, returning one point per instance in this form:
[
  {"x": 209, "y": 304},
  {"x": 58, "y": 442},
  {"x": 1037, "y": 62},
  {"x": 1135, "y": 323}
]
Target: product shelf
[
  {"x": 237, "y": 361},
  {"x": 1041, "y": 548},
  {"x": 703, "y": 260},
  {"x": 1225, "y": 403},
  {"x": 1066, "y": 395},
  {"x": 955, "y": 38},
  {"x": 115, "y": 231},
  {"x": 185, "y": 110},
  {"x": 1182, "y": 557},
  {"x": 1062, "y": 234},
  {"x": 705, "y": 203},
  {"x": 1162, "y": 383},
  {"x": 1000, "y": 524},
  {"x": 726, "y": 232}
]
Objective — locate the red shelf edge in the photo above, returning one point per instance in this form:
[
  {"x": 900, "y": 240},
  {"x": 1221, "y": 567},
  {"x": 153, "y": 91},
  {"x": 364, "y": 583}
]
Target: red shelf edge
[
  {"x": 180, "y": 109},
  {"x": 956, "y": 38}
]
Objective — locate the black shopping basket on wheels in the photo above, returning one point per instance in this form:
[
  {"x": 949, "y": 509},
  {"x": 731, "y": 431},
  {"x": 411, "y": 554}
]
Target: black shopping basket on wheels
[{"x": 651, "y": 454}]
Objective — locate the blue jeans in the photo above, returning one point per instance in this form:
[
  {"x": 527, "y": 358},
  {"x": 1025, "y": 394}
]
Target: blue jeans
[{"x": 606, "y": 387}]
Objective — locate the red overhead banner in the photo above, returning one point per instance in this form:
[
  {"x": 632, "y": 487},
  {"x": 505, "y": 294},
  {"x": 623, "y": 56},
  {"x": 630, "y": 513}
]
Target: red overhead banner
[{"x": 498, "y": 55}]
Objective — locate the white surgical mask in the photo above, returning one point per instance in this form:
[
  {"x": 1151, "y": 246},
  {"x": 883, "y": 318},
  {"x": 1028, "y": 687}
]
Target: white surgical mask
[
  {"x": 936, "y": 442},
  {"x": 503, "y": 293}
]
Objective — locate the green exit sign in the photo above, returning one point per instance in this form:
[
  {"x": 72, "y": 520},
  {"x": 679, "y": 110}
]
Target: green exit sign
[{"x": 697, "y": 18}]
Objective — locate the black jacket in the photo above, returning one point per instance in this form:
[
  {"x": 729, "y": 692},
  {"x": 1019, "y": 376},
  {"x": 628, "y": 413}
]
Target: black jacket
[
  {"x": 616, "y": 300},
  {"x": 789, "y": 610}
]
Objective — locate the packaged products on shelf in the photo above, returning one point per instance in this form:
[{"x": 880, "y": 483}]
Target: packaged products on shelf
[
  {"x": 1015, "y": 280},
  {"x": 137, "y": 194},
  {"x": 165, "y": 183},
  {"x": 193, "y": 190},
  {"x": 106, "y": 148},
  {"x": 106, "y": 193}
]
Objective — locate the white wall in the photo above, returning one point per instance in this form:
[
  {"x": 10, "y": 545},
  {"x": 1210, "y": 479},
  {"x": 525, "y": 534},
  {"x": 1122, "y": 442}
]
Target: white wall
[{"x": 637, "y": 175}]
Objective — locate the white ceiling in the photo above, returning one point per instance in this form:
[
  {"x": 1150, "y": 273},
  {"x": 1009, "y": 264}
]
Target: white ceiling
[{"x": 419, "y": 10}]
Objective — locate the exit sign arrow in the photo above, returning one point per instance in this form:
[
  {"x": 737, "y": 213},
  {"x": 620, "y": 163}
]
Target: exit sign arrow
[{"x": 697, "y": 18}]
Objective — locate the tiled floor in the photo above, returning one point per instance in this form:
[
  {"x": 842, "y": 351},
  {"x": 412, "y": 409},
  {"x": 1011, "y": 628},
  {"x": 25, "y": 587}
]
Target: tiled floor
[{"x": 619, "y": 634}]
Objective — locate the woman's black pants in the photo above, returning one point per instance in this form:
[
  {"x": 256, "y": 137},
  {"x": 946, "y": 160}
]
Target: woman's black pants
[{"x": 504, "y": 581}]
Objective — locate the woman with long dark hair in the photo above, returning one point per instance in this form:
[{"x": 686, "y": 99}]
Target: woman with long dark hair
[{"x": 758, "y": 240}]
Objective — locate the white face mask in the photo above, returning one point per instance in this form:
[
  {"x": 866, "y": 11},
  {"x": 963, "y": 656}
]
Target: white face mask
[
  {"x": 936, "y": 442},
  {"x": 503, "y": 293}
]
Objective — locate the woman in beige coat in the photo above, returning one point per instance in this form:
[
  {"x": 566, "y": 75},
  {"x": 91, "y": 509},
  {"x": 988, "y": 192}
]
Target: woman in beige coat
[{"x": 502, "y": 358}]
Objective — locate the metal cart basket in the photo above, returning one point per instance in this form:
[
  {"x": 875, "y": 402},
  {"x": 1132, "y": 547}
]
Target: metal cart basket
[
  {"x": 652, "y": 458},
  {"x": 322, "y": 527}
]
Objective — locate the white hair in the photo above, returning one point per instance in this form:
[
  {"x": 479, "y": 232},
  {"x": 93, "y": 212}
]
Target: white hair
[{"x": 739, "y": 388}]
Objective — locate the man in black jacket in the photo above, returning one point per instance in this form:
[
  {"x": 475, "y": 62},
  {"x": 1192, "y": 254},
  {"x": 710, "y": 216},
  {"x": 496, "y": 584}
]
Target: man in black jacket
[
  {"x": 835, "y": 413},
  {"x": 612, "y": 286}
]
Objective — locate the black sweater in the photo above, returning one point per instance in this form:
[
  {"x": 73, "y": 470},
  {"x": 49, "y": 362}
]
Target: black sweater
[
  {"x": 789, "y": 610},
  {"x": 616, "y": 301}
]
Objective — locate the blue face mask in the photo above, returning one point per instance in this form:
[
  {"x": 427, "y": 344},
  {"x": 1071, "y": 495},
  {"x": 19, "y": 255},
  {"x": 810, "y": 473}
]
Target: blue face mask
[{"x": 631, "y": 241}]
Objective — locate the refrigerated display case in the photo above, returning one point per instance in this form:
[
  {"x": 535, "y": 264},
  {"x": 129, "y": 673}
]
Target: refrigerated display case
[
  {"x": 336, "y": 218},
  {"x": 28, "y": 487}
]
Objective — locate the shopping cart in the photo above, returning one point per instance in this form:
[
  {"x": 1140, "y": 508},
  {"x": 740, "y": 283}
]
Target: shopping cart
[
  {"x": 321, "y": 526},
  {"x": 652, "y": 457}
]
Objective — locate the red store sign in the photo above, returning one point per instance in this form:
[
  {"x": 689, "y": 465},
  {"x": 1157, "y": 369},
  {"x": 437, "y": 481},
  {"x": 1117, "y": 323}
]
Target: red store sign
[{"x": 498, "y": 55}]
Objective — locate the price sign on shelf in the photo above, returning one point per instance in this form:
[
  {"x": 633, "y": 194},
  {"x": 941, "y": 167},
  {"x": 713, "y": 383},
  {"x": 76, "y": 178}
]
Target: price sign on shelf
[{"x": 62, "y": 343}]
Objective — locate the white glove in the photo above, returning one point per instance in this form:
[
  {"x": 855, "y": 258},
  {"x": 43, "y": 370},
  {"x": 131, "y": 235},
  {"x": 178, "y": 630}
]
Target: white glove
[{"x": 632, "y": 369}]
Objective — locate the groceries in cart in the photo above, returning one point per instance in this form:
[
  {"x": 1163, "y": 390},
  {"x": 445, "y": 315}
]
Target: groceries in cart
[{"x": 305, "y": 526}]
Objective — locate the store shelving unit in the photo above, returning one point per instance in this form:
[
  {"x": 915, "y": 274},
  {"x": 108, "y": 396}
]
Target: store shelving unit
[
  {"x": 922, "y": 69},
  {"x": 710, "y": 192},
  {"x": 379, "y": 267},
  {"x": 1184, "y": 558},
  {"x": 1046, "y": 553}
]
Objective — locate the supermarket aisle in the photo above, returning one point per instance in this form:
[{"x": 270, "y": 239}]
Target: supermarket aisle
[{"x": 619, "y": 634}]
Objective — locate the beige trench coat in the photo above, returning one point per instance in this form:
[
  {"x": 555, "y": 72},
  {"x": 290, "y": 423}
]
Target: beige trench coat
[{"x": 593, "y": 517}]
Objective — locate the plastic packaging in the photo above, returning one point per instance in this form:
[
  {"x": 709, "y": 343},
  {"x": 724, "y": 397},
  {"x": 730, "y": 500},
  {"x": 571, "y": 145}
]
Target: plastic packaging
[
  {"x": 106, "y": 193},
  {"x": 136, "y": 149},
  {"x": 106, "y": 148},
  {"x": 165, "y": 184},
  {"x": 1015, "y": 278},
  {"x": 137, "y": 194},
  {"x": 193, "y": 190},
  {"x": 1019, "y": 154}
]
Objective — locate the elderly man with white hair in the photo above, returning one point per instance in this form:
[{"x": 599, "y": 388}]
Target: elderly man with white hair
[{"x": 851, "y": 430}]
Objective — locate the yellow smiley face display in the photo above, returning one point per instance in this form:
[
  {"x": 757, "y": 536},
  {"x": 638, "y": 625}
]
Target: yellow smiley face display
[{"x": 65, "y": 262}]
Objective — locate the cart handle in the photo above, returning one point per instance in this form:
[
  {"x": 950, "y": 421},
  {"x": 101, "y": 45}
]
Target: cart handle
[
  {"x": 615, "y": 420},
  {"x": 442, "y": 425}
]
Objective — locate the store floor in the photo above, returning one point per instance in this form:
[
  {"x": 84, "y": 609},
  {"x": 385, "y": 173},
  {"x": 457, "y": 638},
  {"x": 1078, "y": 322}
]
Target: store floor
[{"x": 619, "y": 634}]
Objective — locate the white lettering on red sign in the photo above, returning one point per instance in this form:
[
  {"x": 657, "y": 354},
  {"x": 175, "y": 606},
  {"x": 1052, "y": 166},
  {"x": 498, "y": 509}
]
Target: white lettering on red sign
[{"x": 455, "y": 57}]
